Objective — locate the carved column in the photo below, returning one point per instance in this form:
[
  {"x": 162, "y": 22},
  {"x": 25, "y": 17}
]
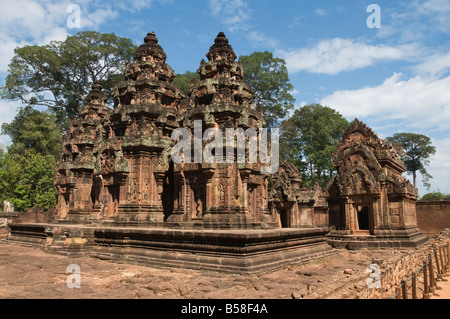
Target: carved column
[
  {"x": 209, "y": 189},
  {"x": 244, "y": 190}
]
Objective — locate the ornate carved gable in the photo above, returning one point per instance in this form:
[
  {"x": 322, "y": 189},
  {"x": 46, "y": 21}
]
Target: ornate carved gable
[
  {"x": 286, "y": 183},
  {"x": 364, "y": 162}
]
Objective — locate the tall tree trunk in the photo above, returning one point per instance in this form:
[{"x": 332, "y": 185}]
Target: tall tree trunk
[{"x": 414, "y": 179}]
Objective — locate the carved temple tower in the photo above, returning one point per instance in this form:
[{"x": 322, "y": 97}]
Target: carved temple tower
[
  {"x": 370, "y": 203},
  {"x": 218, "y": 193},
  {"x": 138, "y": 138},
  {"x": 76, "y": 163},
  {"x": 294, "y": 206},
  {"x": 128, "y": 175}
]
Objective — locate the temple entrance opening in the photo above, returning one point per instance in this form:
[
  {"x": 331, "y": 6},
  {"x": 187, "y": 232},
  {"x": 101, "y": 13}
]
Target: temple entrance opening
[
  {"x": 284, "y": 218},
  {"x": 363, "y": 217}
]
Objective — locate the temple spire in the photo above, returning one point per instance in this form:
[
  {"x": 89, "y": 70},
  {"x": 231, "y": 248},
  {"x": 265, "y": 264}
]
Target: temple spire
[
  {"x": 150, "y": 49},
  {"x": 221, "y": 50}
]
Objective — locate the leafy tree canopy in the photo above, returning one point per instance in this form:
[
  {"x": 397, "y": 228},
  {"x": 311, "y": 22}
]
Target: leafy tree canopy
[
  {"x": 27, "y": 169},
  {"x": 183, "y": 81},
  {"x": 435, "y": 196},
  {"x": 27, "y": 181},
  {"x": 319, "y": 129},
  {"x": 415, "y": 149},
  {"x": 33, "y": 132},
  {"x": 268, "y": 76},
  {"x": 59, "y": 75}
]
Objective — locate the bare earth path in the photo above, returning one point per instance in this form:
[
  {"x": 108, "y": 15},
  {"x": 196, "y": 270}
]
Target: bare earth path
[
  {"x": 443, "y": 291},
  {"x": 31, "y": 273}
]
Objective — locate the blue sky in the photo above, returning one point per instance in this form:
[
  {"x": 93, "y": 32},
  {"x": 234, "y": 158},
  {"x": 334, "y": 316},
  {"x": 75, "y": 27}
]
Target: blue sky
[{"x": 395, "y": 78}]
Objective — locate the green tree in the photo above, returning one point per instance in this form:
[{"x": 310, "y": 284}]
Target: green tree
[
  {"x": 415, "y": 149},
  {"x": 268, "y": 76},
  {"x": 59, "y": 75},
  {"x": 27, "y": 170},
  {"x": 33, "y": 132},
  {"x": 9, "y": 174},
  {"x": 28, "y": 181},
  {"x": 435, "y": 196},
  {"x": 290, "y": 146},
  {"x": 320, "y": 129},
  {"x": 37, "y": 181},
  {"x": 183, "y": 81}
]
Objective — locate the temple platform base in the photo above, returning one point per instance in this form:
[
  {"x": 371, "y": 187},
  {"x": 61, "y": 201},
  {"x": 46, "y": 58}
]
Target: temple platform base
[
  {"x": 228, "y": 251},
  {"x": 401, "y": 238}
]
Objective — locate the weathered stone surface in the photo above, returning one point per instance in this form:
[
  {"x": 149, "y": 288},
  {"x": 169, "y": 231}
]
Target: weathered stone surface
[
  {"x": 229, "y": 251},
  {"x": 116, "y": 164},
  {"x": 433, "y": 216},
  {"x": 31, "y": 273},
  {"x": 370, "y": 203},
  {"x": 222, "y": 194},
  {"x": 293, "y": 205}
]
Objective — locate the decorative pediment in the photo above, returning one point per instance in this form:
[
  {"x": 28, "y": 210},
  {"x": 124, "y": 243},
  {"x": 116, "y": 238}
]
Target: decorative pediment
[
  {"x": 364, "y": 162},
  {"x": 286, "y": 183}
]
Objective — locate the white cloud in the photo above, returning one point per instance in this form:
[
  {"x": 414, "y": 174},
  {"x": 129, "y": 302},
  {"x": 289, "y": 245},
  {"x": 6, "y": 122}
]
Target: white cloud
[
  {"x": 320, "y": 12},
  {"x": 259, "y": 40},
  {"x": 416, "y": 20},
  {"x": 137, "y": 5},
  {"x": 7, "y": 46},
  {"x": 234, "y": 14},
  {"x": 438, "y": 11},
  {"x": 337, "y": 55},
  {"x": 94, "y": 18},
  {"x": 439, "y": 167},
  {"x": 419, "y": 102},
  {"x": 436, "y": 64},
  {"x": 29, "y": 22},
  {"x": 32, "y": 22}
]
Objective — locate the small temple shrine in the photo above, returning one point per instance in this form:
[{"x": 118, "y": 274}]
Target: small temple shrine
[{"x": 371, "y": 205}]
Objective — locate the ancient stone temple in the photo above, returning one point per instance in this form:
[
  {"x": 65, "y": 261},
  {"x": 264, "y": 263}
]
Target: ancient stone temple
[
  {"x": 128, "y": 192},
  {"x": 371, "y": 204},
  {"x": 295, "y": 206},
  {"x": 138, "y": 140},
  {"x": 76, "y": 165},
  {"x": 221, "y": 193},
  {"x": 125, "y": 173},
  {"x": 115, "y": 161}
]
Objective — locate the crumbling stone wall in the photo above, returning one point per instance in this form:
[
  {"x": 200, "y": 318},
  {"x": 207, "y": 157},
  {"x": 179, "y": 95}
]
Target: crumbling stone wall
[
  {"x": 394, "y": 270},
  {"x": 433, "y": 216}
]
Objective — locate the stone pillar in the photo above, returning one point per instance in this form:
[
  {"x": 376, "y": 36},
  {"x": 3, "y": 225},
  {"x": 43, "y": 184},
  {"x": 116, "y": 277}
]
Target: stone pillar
[
  {"x": 244, "y": 191},
  {"x": 209, "y": 189},
  {"x": 349, "y": 218}
]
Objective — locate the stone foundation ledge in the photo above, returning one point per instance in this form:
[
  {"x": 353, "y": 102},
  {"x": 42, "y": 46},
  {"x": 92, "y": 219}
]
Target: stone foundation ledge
[
  {"x": 406, "y": 238},
  {"x": 231, "y": 251}
]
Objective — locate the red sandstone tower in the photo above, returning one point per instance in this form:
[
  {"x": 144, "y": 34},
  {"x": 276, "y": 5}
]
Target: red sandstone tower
[
  {"x": 76, "y": 165},
  {"x": 371, "y": 204},
  {"x": 222, "y": 195},
  {"x": 129, "y": 176}
]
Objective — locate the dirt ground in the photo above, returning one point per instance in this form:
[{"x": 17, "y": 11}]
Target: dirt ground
[{"x": 31, "y": 273}]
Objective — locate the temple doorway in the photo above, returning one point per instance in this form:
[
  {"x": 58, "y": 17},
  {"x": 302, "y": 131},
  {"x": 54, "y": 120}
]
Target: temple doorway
[
  {"x": 363, "y": 217},
  {"x": 284, "y": 218},
  {"x": 113, "y": 204},
  {"x": 167, "y": 196}
]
